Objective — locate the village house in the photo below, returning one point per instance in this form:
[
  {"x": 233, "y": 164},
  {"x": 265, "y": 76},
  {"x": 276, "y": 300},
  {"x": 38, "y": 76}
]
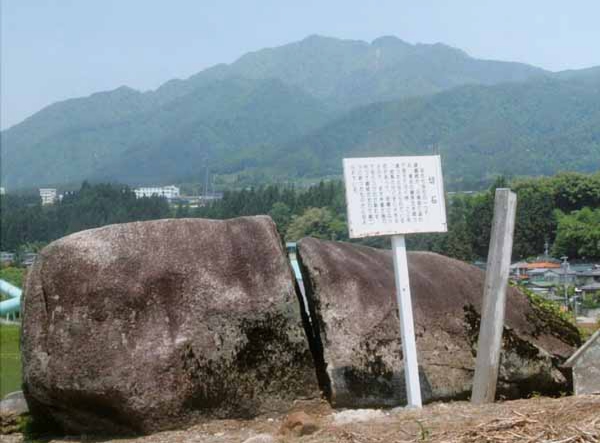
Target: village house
[
  {"x": 553, "y": 277},
  {"x": 589, "y": 278}
]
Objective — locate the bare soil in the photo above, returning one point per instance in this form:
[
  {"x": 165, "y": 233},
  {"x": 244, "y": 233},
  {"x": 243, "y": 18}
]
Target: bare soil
[{"x": 561, "y": 420}]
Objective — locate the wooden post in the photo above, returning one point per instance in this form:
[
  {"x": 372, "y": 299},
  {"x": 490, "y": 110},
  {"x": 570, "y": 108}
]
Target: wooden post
[
  {"x": 407, "y": 328},
  {"x": 494, "y": 297}
]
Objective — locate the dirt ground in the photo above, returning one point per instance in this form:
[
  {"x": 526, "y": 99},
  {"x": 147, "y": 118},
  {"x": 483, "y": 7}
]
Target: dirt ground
[{"x": 562, "y": 420}]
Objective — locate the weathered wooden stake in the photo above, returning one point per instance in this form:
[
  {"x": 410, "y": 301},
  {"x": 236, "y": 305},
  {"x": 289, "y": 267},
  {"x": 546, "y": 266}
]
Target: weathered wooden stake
[{"x": 494, "y": 297}]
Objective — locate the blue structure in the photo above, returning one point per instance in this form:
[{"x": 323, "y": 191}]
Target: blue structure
[
  {"x": 292, "y": 251},
  {"x": 13, "y": 304}
]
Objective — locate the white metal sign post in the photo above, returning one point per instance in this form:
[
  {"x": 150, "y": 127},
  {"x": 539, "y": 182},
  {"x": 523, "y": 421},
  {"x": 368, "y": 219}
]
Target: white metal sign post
[
  {"x": 407, "y": 329},
  {"x": 397, "y": 196}
]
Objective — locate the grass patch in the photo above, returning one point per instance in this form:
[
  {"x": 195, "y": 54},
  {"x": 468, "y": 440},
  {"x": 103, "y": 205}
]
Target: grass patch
[
  {"x": 10, "y": 359},
  {"x": 14, "y": 276}
]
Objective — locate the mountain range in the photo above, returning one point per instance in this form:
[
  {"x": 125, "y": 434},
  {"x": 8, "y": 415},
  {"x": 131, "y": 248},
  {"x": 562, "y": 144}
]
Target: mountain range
[{"x": 294, "y": 111}]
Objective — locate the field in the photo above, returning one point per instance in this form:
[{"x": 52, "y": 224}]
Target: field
[{"x": 10, "y": 359}]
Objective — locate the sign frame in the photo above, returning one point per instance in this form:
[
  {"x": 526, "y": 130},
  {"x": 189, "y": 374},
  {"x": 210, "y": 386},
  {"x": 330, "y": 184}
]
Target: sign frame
[{"x": 380, "y": 182}]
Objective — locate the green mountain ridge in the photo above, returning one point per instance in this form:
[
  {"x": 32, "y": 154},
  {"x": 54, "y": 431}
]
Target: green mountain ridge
[
  {"x": 536, "y": 127},
  {"x": 347, "y": 73},
  {"x": 265, "y": 113},
  {"x": 224, "y": 125},
  {"x": 166, "y": 140}
]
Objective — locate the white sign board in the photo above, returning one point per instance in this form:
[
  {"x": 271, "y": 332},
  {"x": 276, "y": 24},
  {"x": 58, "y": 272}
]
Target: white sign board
[{"x": 394, "y": 195}]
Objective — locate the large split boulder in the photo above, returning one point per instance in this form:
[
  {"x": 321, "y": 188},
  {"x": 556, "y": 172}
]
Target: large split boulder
[
  {"x": 144, "y": 326},
  {"x": 356, "y": 338}
]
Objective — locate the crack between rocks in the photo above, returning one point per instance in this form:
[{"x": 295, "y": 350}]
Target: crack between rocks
[{"x": 312, "y": 327}]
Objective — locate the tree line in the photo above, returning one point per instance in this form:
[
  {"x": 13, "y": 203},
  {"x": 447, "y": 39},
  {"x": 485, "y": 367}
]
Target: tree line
[
  {"x": 562, "y": 210},
  {"x": 27, "y": 225},
  {"x": 546, "y": 207}
]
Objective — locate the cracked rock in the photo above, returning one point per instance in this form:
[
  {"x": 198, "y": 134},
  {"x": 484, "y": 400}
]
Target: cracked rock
[{"x": 355, "y": 331}]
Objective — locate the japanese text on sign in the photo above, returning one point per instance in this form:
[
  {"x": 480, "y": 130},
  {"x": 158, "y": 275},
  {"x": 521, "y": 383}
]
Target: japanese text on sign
[{"x": 394, "y": 195}]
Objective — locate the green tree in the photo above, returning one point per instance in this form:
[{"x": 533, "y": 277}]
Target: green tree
[
  {"x": 281, "y": 215},
  {"x": 574, "y": 191},
  {"x": 317, "y": 222},
  {"x": 578, "y": 234},
  {"x": 535, "y": 220},
  {"x": 13, "y": 275},
  {"x": 457, "y": 243},
  {"x": 182, "y": 210}
]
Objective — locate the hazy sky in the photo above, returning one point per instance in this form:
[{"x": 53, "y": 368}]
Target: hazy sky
[{"x": 58, "y": 49}]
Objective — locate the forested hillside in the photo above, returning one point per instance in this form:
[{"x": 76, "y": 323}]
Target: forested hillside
[
  {"x": 294, "y": 111},
  {"x": 529, "y": 128},
  {"x": 221, "y": 124}
]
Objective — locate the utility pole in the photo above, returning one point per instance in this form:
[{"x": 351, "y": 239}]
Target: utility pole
[
  {"x": 206, "y": 182},
  {"x": 565, "y": 266}
]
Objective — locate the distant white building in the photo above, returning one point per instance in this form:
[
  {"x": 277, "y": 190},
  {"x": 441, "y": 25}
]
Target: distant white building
[
  {"x": 48, "y": 196},
  {"x": 169, "y": 192},
  {"x": 7, "y": 257},
  {"x": 2, "y": 191}
]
